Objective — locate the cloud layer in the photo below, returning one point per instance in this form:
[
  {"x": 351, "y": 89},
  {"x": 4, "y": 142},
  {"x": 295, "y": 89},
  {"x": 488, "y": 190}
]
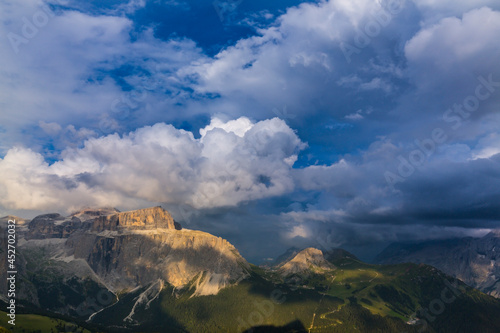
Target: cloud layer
[
  {"x": 387, "y": 117},
  {"x": 231, "y": 162}
]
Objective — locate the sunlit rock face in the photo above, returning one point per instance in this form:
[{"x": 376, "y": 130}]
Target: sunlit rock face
[
  {"x": 306, "y": 261},
  {"x": 141, "y": 219},
  {"x": 126, "y": 250},
  {"x": 126, "y": 258},
  {"x": 55, "y": 225}
]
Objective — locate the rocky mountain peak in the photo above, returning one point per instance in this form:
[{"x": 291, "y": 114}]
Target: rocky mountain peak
[
  {"x": 140, "y": 219},
  {"x": 52, "y": 226},
  {"x": 475, "y": 261},
  {"x": 495, "y": 233},
  {"x": 86, "y": 214},
  {"x": 310, "y": 259},
  {"x": 47, "y": 217},
  {"x": 287, "y": 256},
  {"x": 19, "y": 220},
  {"x": 127, "y": 250}
]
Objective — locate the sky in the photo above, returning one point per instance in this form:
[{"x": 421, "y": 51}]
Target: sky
[{"x": 340, "y": 123}]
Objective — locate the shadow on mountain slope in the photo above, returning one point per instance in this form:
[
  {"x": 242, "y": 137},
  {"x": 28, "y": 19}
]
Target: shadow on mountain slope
[{"x": 293, "y": 327}]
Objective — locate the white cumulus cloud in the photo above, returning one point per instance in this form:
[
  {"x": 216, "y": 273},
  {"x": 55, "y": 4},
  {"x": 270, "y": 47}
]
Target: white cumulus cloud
[{"x": 157, "y": 164}]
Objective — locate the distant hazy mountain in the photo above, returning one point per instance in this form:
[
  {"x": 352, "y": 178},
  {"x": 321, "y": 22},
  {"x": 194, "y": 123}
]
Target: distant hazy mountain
[
  {"x": 289, "y": 254},
  {"x": 338, "y": 254},
  {"x": 475, "y": 261},
  {"x": 114, "y": 271}
]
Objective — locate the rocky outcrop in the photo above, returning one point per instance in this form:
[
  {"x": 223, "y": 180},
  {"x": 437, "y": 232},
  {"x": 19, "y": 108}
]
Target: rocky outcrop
[
  {"x": 309, "y": 260},
  {"x": 19, "y": 221},
  {"x": 127, "y": 250},
  {"x": 52, "y": 226},
  {"x": 90, "y": 214},
  {"x": 288, "y": 255},
  {"x": 141, "y": 219},
  {"x": 125, "y": 260},
  {"x": 475, "y": 261}
]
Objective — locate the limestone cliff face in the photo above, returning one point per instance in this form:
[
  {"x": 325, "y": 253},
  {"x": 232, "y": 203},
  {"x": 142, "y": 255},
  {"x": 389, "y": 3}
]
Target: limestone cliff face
[
  {"x": 306, "y": 261},
  {"x": 141, "y": 219},
  {"x": 52, "y": 226},
  {"x": 125, "y": 260},
  {"x": 90, "y": 214},
  {"x": 126, "y": 250}
]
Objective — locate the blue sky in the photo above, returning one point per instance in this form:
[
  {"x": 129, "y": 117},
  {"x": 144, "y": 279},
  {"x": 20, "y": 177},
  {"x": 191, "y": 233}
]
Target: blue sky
[{"x": 331, "y": 123}]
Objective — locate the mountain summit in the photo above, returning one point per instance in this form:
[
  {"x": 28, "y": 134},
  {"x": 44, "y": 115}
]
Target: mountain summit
[
  {"x": 307, "y": 260},
  {"x": 120, "y": 252},
  {"x": 141, "y": 219}
]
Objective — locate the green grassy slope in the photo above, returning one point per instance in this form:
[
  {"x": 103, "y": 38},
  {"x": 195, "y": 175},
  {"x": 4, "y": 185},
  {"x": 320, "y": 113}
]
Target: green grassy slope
[
  {"x": 406, "y": 291},
  {"x": 354, "y": 297},
  {"x": 38, "y": 323},
  {"x": 263, "y": 299}
]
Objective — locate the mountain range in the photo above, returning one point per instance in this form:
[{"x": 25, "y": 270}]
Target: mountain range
[
  {"x": 105, "y": 270},
  {"x": 475, "y": 261}
]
